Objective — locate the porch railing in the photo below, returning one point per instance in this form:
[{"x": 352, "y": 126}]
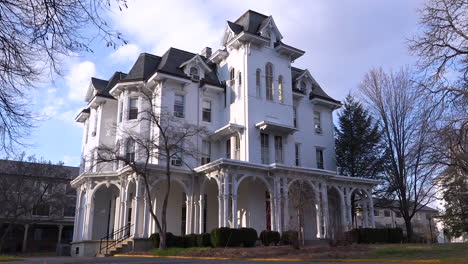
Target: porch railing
[{"x": 114, "y": 238}]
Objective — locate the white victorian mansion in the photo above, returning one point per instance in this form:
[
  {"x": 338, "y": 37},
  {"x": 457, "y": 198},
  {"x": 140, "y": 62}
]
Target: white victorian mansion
[{"x": 269, "y": 125}]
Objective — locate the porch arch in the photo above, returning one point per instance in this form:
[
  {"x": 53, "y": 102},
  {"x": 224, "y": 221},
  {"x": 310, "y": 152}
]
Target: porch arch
[{"x": 106, "y": 199}]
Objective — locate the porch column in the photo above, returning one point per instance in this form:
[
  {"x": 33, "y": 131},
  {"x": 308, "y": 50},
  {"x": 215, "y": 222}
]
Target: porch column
[
  {"x": 195, "y": 217},
  {"x": 348, "y": 208},
  {"x": 278, "y": 206},
  {"x": 232, "y": 140},
  {"x": 286, "y": 204},
  {"x": 325, "y": 213},
  {"x": 272, "y": 211},
  {"x": 25, "y": 238},
  {"x": 136, "y": 222},
  {"x": 226, "y": 200},
  {"x": 220, "y": 210},
  {"x": 318, "y": 214},
  {"x": 188, "y": 210},
  {"x": 59, "y": 238},
  {"x": 365, "y": 212},
  {"x": 201, "y": 213},
  {"x": 88, "y": 222},
  {"x": 146, "y": 216},
  {"x": 77, "y": 215},
  {"x": 234, "y": 210},
  {"x": 343, "y": 209},
  {"x": 371, "y": 209}
]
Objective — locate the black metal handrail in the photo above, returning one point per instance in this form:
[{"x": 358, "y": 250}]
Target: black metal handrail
[{"x": 114, "y": 238}]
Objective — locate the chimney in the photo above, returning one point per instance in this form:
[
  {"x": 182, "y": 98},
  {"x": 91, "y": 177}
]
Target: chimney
[{"x": 206, "y": 52}]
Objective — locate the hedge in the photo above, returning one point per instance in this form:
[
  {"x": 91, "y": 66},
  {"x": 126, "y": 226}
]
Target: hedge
[
  {"x": 203, "y": 240},
  {"x": 375, "y": 235},
  {"x": 269, "y": 237},
  {"x": 288, "y": 237},
  {"x": 248, "y": 236},
  {"x": 225, "y": 237},
  {"x": 191, "y": 240}
]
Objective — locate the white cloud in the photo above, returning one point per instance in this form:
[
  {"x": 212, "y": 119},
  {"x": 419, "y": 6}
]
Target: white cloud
[
  {"x": 78, "y": 79},
  {"x": 69, "y": 117},
  {"x": 126, "y": 53}
]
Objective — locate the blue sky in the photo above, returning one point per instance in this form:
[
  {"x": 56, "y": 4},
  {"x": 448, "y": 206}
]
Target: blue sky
[{"x": 342, "y": 40}]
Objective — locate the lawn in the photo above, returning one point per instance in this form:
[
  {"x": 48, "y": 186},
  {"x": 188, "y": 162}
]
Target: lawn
[
  {"x": 4, "y": 258},
  {"x": 177, "y": 251},
  {"x": 455, "y": 251}
]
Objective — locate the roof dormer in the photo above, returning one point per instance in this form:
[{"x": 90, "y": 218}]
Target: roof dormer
[{"x": 196, "y": 68}]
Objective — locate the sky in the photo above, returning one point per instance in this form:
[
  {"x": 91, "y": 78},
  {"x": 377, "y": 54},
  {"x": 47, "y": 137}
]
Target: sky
[{"x": 342, "y": 39}]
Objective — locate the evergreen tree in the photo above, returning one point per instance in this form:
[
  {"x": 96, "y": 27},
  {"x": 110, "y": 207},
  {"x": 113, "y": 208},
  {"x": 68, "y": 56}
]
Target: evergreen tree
[{"x": 359, "y": 152}]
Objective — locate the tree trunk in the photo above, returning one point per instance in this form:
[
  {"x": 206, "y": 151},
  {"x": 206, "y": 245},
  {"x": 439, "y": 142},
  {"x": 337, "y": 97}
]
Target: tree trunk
[
  {"x": 409, "y": 230},
  {"x": 4, "y": 236},
  {"x": 162, "y": 240}
]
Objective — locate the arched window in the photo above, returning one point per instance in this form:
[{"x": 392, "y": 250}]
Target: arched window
[
  {"x": 193, "y": 72},
  {"x": 269, "y": 81},
  {"x": 258, "y": 82},
  {"x": 280, "y": 88},
  {"x": 130, "y": 150}
]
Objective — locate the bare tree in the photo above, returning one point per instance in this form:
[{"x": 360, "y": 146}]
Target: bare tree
[
  {"x": 300, "y": 197},
  {"x": 167, "y": 139},
  {"x": 35, "y": 36},
  {"x": 442, "y": 48},
  {"x": 406, "y": 119},
  {"x": 28, "y": 184}
]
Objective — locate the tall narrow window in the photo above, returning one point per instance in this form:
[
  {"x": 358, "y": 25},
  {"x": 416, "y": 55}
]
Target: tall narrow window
[
  {"x": 237, "y": 148},
  {"x": 317, "y": 123},
  {"x": 95, "y": 122},
  {"x": 269, "y": 81},
  {"x": 120, "y": 111},
  {"x": 130, "y": 150},
  {"x": 179, "y": 105},
  {"x": 206, "y": 111},
  {"x": 264, "y": 148},
  {"x": 206, "y": 152},
  {"x": 133, "y": 108},
  {"x": 295, "y": 116},
  {"x": 228, "y": 149},
  {"x": 239, "y": 83},
  {"x": 278, "y": 149},
  {"x": 297, "y": 154},
  {"x": 280, "y": 88},
  {"x": 319, "y": 157},
  {"x": 86, "y": 130},
  {"x": 258, "y": 82},
  {"x": 232, "y": 81}
]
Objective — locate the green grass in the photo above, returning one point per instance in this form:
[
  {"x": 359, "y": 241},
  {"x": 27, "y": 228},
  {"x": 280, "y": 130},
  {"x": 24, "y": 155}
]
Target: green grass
[
  {"x": 175, "y": 251},
  {"x": 5, "y": 258},
  {"x": 458, "y": 251}
]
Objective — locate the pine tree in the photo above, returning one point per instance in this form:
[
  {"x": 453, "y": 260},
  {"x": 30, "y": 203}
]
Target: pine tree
[{"x": 359, "y": 152}]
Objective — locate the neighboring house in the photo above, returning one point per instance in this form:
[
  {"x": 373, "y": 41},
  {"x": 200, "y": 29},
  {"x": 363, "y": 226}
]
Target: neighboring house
[
  {"x": 387, "y": 215},
  {"x": 40, "y": 203},
  {"x": 270, "y": 125}
]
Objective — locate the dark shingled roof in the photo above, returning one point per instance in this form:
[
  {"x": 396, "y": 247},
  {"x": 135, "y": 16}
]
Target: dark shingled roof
[
  {"x": 98, "y": 83},
  {"x": 317, "y": 91},
  {"x": 104, "y": 90},
  {"x": 144, "y": 66},
  {"x": 235, "y": 27},
  {"x": 251, "y": 21}
]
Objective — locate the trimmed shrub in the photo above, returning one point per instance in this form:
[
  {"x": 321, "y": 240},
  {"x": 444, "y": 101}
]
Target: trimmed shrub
[
  {"x": 248, "y": 236},
  {"x": 375, "y": 235},
  {"x": 190, "y": 240},
  {"x": 204, "y": 240},
  {"x": 154, "y": 238},
  {"x": 225, "y": 237},
  {"x": 170, "y": 240},
  {"x": 269, "y": 237},
  {"x": 288, "y": 237}
]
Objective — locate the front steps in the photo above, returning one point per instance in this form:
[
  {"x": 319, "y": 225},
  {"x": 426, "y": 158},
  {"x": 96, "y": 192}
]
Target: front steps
[{"x": 123, "y": 247}]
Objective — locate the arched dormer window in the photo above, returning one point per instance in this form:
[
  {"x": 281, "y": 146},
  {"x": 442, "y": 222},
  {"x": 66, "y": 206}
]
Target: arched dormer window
[
  {"x": 269, "y": 81},
  {"x": 130, "y": 150},
  {"x": 280, "y": 89},
  {"x": 258, "y": 82},
  {"x": 193, "y": 71}
]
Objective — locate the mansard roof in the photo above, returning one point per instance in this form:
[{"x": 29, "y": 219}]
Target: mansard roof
[
  {"x": 251, "y": 21},
  {"x": 317, "y": 91},
  {"x": 102, "y": 87},
  {"x": 169, "y": 63}
]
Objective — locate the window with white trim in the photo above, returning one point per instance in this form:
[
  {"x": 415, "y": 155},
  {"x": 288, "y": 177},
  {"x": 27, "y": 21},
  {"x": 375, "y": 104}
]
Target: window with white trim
[
  {"x": 120, "y": 111},
  {"x": 280, "y": 89},
  {"x": 179, "y": 105},
  {"x": 177, "y": 158},
  {"x": 133, "y": 108},
  {"x": 319, "y": 157},
  {"x": 228, "y": 149},
  {"x": 258, "y": 81},
  {"x": 237, "y": 148},
  {"x": 269, "y": 81},
  {"x": 206, "y": 152},
  {"x": 232, "y": 81},
  {"x": 206, "y": 111},
  {"x": 264, "y": 148},
  {"x": 295, "y": 116},
  {"x": 317, "y": 122},
  {"x": 297, "y": 154},
  {"x": 278, "y": 149},
  {"x": 130, "y": 150},
  {"x": 194, "y": 73}
]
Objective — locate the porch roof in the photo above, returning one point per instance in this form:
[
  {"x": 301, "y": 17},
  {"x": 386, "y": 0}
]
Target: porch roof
[
  {"x": 269, "y": 126},
  {"x": 226, "y": 131}
]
